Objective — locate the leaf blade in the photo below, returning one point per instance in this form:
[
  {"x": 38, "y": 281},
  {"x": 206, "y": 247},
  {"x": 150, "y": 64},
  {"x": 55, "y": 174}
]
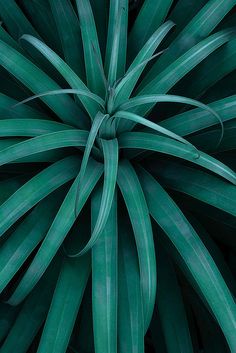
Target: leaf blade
[{"x": 195, "y": 255}]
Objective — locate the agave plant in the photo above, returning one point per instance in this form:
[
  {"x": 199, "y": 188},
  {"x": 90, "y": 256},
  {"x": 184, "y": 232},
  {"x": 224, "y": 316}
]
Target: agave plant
[{"x": 117, "y": 212}]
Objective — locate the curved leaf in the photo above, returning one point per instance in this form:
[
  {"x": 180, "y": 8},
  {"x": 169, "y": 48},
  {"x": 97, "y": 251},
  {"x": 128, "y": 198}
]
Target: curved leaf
[
  {"x": 145, "y": 100},
  {"x": 46, "y": 142},
  {"x": 198, "y": 119},
  {"x": 198, "y": 28},
  {"x": 31, "y": 315},
  {"x": 161, "y": 144},
  {"x": 98, "y": 121},
  {"x": 195, "y": 255},
  {"x": 164, "y": 81},
  {"x": 79, "y": 92},
  {"x": 36, "y": 189},
  {"x": 139, "y": 216},
  {"x": 128, "y": 82},
  {"x": 20, "y": 112},
  {"x": 202, "y": 186},
  {"x": 59, "y": 229},
  {"x": 69, "y": 75},
  {"x": 20, "y": 67},
  {"x": 150, "y": 17},
  {"x": 140, "y": 120},
  {"x": 18, "y": 247},
  {"x": 111, "y": 154},
  {"x": 29, "y": 127}
]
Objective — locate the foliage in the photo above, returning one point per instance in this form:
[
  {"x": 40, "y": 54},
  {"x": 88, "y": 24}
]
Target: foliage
[{"x": 117, "y": 212}]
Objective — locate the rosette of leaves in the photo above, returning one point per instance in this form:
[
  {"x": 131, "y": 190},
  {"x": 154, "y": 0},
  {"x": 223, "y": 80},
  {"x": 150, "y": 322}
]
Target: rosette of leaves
[{"x": 117, "y": 212}]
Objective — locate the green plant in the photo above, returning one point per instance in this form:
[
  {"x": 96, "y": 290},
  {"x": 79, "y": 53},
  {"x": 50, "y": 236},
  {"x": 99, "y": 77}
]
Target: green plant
[{"x": 98, "y": 179}]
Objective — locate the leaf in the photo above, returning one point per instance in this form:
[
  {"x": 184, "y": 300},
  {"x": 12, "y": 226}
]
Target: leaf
[
  {"x": 41, "y": 17},
  {"x": 113, "y": 63},
  {"x": 104, "y": 279},
  {"x": 207, "y": 140},
  {"x": 111, "y": 155},
  {"x": 164, "y": 81},
  {"x": 171, "y": 307},
  {"x": 130, "y": 313},
  {"x": 60, "y": 227},
  {"x": 68, "y": 74},
  {"x": 37, "y": 81},
  {"x": 92, "y": 54},
  {"x": 219, "y": 65},
  {"x": 115, "y": 60},
  {"x": 145, "y": 100},
  {"x": 36, "y": 189},
  {"x": 92, "y": 96},
  {"x": 46, "y": 142},
  {"x": 32, "y": 315},
  {"x": 65, "y": 305},
  {"x": 126, "y": 85},
  {"x": 101, "y": 19},
  {"x": 197, "y": 119},
  {"x": 29, "y": 127},
  {"x": 20, "y": 112},
  {"x": 165, "y": 145},
  {"x": 139, "y": 216},
  {"x": 44, "y": 157},
  {"x": 189, "y": 9},
  {"x": 7, "y": 38},
  {"x": 18, "y": 247},
  {"x": 202, "y": 186},
  {"x": 197, "y": 29},
  {"x": 17, "y": 24},
  {"x": 98, "y": 121},
  {"x": 70, "y": 35},
  {"x": 140, "y": 120},
  {"x": 14, "y": 19},
  {"x": 169, "y": 217},
  {"x": 150, "y": 17}
]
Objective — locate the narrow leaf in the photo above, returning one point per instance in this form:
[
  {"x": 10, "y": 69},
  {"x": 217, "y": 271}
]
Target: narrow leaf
[
  {"x": 18, "y": 247},
  {"x": 69, "y": 31},
  {"x": 65, "y": 305},
  {"x": 104, "y": 279},
  {"x": 32, "y": 315},
  {"x": 139, "y": 216},
  {"x": 29, "y": 127},
  {"x": 195, "y": 255},
  {"x": 202, "y": 186},
  {"x": 46, "y": 142},
  {"x": 36, "y": 189},
  {"x": 92, "y": 54},
  {"x": 161, "y": 144},
  {"x": 128, "y": 82},
  {"x": 130, "y": 313},
  {"x": 17, "y": 65},
  {"x": 60, "y": 227},
  {"x": 111, "y": 155},
  {"x": 150, "y": 17}
]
